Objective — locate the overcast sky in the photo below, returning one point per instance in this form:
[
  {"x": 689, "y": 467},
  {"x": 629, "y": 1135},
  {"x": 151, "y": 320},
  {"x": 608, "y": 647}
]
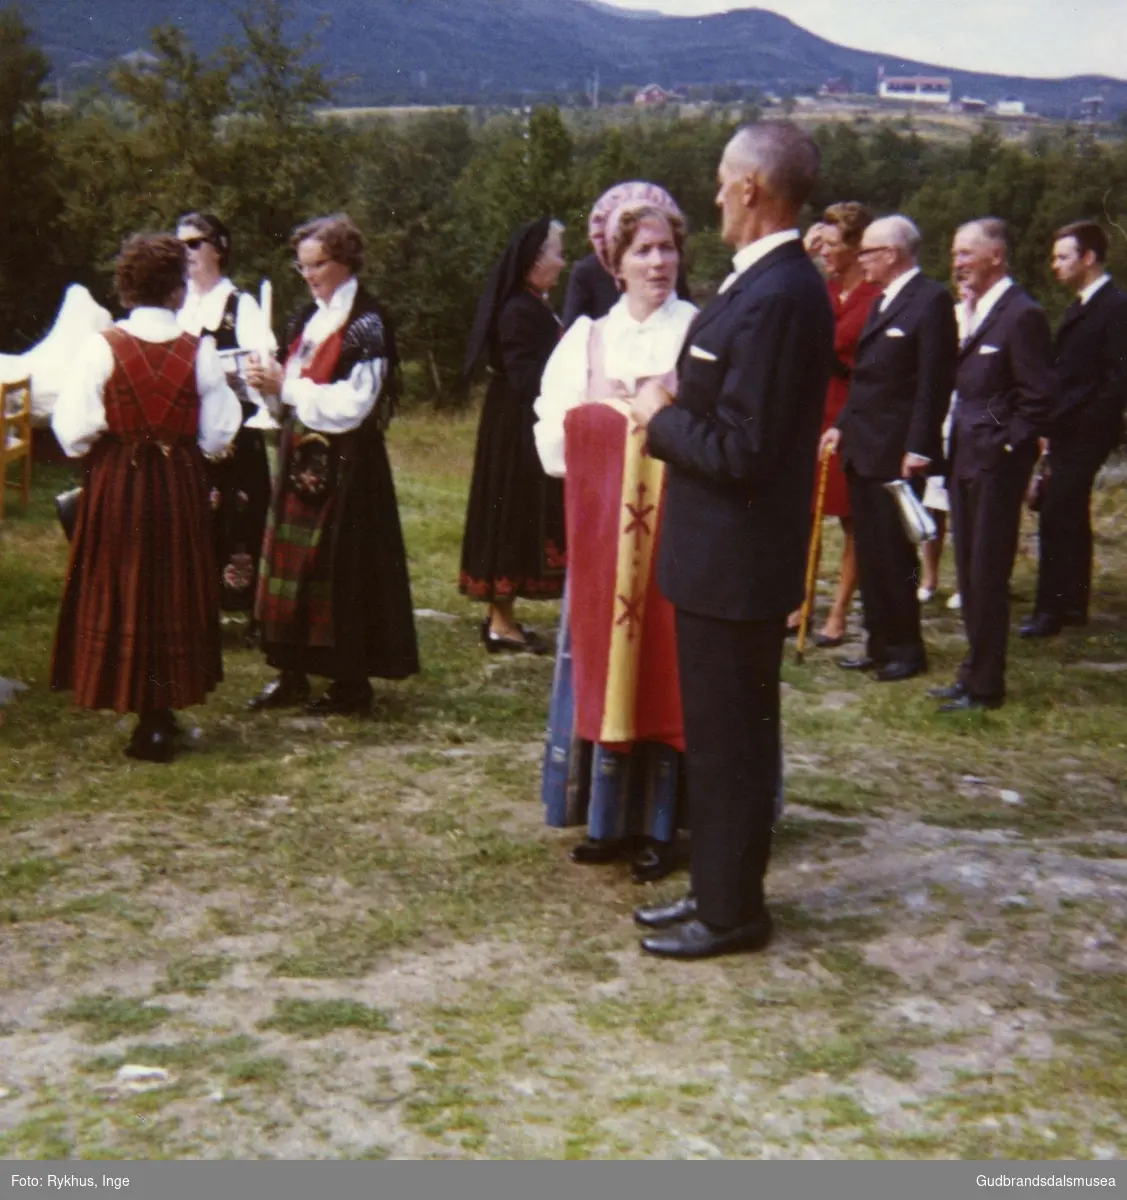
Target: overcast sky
[{"x": 1006, "y": 37}]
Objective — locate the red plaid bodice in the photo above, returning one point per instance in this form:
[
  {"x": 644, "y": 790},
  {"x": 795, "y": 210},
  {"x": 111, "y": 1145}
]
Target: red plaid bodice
[{"x": 152, "y": 395}]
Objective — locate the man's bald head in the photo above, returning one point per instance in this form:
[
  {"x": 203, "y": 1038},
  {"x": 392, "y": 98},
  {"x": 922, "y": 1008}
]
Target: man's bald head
[{"x": 782, "y": 156}]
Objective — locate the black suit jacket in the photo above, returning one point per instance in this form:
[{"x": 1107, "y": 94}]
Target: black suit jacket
[
  {"x": 591, "y": 291},
  {"x": 741, "y": 443},
  {"x": 901, "y": 383},
  {"x": 1091, "y": 360},
  {"x": 1006, "y": 385}
]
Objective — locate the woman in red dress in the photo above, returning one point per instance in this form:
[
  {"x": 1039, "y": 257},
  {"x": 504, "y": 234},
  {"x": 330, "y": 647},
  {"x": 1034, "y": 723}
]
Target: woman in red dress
[
  {"x": 839, "y": 239},
  {"x": 139, "y": 625}
]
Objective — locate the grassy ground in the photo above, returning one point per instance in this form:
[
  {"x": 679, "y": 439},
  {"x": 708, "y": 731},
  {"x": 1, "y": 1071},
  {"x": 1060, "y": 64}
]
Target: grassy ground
[{"x": 357, "y": 939}]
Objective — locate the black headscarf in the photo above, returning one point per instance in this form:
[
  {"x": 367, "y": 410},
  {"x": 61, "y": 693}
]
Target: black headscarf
[{"x": 507, "y": 276}]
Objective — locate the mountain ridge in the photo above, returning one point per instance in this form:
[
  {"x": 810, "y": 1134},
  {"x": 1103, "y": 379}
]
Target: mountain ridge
[{"x": 509, "y": 51}]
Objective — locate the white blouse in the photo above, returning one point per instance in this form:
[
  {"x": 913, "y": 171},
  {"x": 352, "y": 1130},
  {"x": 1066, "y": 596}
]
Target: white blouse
[
  {"x": 632, "y": 350},
  {"x": 79, "y": 418},
  {"x": 205, "y": 310},
  {"x": 332, "y": 407}
]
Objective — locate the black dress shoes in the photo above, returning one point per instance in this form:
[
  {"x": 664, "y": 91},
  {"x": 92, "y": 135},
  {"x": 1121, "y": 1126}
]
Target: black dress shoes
[
  {"x": 695, "y": 939},
  {"x": 528, "y": 643},
  {"x": 342, "y": 700},
  {"x": 968, "y": 703},
  {"x": 1040, "y": 625},
  {"x": 662, "y": 916},
  {"x": 865, "y": 663},
  {"x": 150, "y": 743},
  {"x": 654, "y": 861},
  {"x": 598, "y": 850},
  {"x": 951, "y": 692},
  {"x": 894, "y": 672},
  {"x": 290, "y": 689}
]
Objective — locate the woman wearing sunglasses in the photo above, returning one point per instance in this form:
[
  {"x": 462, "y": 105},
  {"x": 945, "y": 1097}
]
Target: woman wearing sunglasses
[{"x": 240, "y": 484}]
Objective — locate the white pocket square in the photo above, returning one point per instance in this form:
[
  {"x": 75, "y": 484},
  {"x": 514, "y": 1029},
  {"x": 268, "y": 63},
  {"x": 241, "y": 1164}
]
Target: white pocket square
[
  {"x": 703, "y": 355},
  {"x": 988, "y": 349},
  {"x": 894, "y": 332}
]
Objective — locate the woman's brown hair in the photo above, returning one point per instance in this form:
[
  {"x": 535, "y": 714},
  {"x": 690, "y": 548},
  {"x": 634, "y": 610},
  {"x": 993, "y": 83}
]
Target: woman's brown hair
[
  {"x": 149, "y": 269},
  {"x": 851, "y": 217}
]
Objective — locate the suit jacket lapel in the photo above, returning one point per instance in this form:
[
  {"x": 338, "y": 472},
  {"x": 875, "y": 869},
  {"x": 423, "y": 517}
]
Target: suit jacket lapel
[
  {"x": 881, "y": 320},
  {"x": 989, "y": 320},
  {"x": 1073, "y": 313}
]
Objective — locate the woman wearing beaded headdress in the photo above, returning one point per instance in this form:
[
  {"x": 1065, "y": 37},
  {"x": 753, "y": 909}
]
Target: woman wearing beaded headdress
[{"x": 613, "y": 755}]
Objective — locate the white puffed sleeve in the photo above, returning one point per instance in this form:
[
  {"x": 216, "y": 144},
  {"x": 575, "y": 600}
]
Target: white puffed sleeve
[
  {"x": 79, "y": 418},
  {"x": 562, "y": 388},
  {"x": 221, "y": 414},
  {"x": 337, "y": 407}
]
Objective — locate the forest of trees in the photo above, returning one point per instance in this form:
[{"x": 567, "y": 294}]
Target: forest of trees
[{"x": 242, "y": 133}]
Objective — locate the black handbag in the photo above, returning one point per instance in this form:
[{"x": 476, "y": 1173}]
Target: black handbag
[{"x": 66, "y": 505}]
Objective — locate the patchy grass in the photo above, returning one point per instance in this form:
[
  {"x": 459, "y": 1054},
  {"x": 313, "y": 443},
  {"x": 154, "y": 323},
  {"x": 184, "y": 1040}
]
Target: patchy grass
[
  {"x": 357, "y": 939},
  {"x": 315, "y": 1018}
]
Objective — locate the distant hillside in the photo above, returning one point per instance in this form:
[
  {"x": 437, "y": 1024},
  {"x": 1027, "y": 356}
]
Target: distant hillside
[{"x": 502, "y": 51}]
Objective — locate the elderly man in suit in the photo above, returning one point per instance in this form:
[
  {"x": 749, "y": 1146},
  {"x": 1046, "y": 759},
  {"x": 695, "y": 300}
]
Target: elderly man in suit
[
  {"x": 892, "y": 428},
  {"x": 740, "y": 443},
  {"x": 1006, "y": 390},
  {"x": 1091, "y": 358}
]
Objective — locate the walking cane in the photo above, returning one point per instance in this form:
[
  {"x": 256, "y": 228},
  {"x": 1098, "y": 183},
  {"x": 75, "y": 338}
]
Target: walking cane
[{"x": 812, "y": 557}]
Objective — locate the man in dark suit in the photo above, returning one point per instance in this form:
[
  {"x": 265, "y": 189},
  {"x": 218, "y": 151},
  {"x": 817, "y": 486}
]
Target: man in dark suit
[
  {"x": 1006, "y": 391},
  {"x": 892, "y": 428},
  {"x": 740, "y": 442},
  {"x": 1091, "y": 358}
]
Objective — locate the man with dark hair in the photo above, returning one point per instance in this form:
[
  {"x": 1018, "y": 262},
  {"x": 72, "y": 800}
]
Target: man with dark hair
[
  {"x": 1091, "y": 359},
  {"x": 892, "y": 428},
  {"x": 741, "y": 443},
  {"x": 1006, "y": 390}
]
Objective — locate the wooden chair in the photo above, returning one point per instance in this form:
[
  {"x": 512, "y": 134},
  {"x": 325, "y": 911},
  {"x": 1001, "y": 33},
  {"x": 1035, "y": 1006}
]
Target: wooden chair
[{"x": 15, "y": 437}]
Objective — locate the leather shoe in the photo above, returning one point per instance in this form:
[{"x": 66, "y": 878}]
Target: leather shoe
[
  {"x": 967, "y": 703},
  {"x": 528, "y": 643},
  {"x": 597, "y": 850},
  {"x": 654, "y": 861},
  {"x": 864, "y": 663},
  {"x": 695, "y": 939},
  {"x": 1040, "y": 625},
  {"x": 827, "y": 643},
  {"x": 951, "y": 692},
  {"x": 343, "y": 700},
  {"x": 662, "y": 916},
  {"x": 894, "y": 672},
  {"x": 290, "y": 689},
  {"x": 150, "y": 745}
]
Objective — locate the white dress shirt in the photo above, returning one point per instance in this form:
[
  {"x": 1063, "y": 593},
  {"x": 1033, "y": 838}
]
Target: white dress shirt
[
  {"x": 632, "y": 350},
  {"x": 79, "y": 418},
  {"x": 750, "y": 254},
  {"x": 1094, "y": 287},
  {"x": 896, "y": 287},
  {"x": 985, "y": 303},
  {"x": 332, "y": 407},
  {"x": 204, "y": 310}
]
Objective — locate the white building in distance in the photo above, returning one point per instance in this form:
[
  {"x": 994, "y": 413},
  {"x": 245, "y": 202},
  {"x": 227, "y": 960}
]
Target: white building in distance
[{"x": 914, "y": 89}]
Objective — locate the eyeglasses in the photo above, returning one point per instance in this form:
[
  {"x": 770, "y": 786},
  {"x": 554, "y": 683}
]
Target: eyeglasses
[
  {"x": 872, "y": 250},
  {"x": 306, "y": 268},
  {"x": 194, "y": 243}
]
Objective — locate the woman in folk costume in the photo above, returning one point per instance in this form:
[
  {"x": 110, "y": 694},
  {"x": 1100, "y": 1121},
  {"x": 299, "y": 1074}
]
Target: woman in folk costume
[
  {"x": 514, "y": 542},
  {"x": 592, "y": 290},
  {"x": 615, "y": 736},
  {"x": 333, "y": 595},
  {"x": 240, "y": 492},
  {"x": 139, "y": 625}
]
